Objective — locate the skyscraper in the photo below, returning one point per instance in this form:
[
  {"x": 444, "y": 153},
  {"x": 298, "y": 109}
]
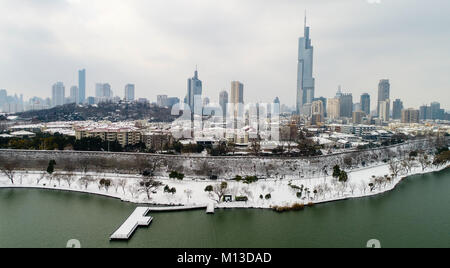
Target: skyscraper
[
  {"x": 365, "y": 103},
  {"x": 435, "y": 109},
  {"x": 129, "y": 92},
  {"x": 425, "y": 112},
  {"x": 305, "y": 79},
  {"x": 346, "y": 102},
  {"x": 58, "y": 94},
  {"x": 384, "y": 92},
  {"x": 237, "y": 101},
  {"x": 82, "y": 86},
  {"x": 385, "y": 110},
  {"x": 237, "y": 92},
  {"x": 397, "y": 109},
  {"x": 74, "y": 95},
  {"x": 410, "y": 116},
  {"x": 194, "y": 94},
  {"x": 334, "y": 108},
  {"x": 223, "y": 101}
]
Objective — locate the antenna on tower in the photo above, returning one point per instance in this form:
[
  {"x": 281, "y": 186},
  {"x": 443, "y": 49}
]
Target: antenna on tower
[{"x": 305, "y": 18}]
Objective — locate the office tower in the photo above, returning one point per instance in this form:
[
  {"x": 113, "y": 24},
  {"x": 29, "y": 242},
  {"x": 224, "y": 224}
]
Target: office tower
[
  {"x": 194, "y": 94},
  {"x": 397, "y": 109},
  {"x": 99, "y": 90},
  {"x": 410, "y": 116},
  {"x": 81, "y": 86},
  {"x": 237, "y": 101},
  {"x": 305, "y": 79},
  {"x": 346, "y": 102},
  {"x": 435, "y": 109},
  {"x": 385, "y": 110},
  {"x": 425, "y": 112},
  {"x": 107, "y": 92},
  {"x": 334, "y": 108},
  {"x": 129, "y": 92},
  {"x": 237, "y": 92},
  {"x": 161, "y": 100},
  {"x": 357, "y": 107},
  {"x": 74, "y": 95},
  {"x": 223, "y": 101},
  {"x": 358, "y": 117},
  {"x": 365, "y": 103},
  {"x": 58, "y": 94},
  {"x": 384, "y": 92}
]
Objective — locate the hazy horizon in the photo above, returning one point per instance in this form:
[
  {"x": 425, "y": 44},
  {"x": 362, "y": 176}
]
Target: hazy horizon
[{"x": 157, "y": 44}]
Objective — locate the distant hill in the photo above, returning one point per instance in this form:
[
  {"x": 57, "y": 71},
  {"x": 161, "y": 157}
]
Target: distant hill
[{"x": 103, "y": 111}]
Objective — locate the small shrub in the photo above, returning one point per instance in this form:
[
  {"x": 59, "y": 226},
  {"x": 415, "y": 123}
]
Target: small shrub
[{"x": 209, "y": 188}]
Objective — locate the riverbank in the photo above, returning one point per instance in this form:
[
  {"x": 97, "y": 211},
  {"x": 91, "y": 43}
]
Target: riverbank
[{"x": 263, "y": 194}]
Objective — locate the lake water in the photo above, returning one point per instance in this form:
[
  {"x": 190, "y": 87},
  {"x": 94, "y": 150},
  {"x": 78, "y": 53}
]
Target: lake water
[{"x": 415, "y": 214}]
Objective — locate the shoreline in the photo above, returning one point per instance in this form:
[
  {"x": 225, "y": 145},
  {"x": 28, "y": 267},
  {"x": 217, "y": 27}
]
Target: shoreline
[{"x": 166, "y": 207}]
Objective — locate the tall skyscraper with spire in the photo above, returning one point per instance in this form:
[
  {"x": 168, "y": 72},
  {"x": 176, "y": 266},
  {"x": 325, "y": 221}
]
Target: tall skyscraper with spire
[
  {"x": 194, "y": 94},
  {"x": 305, "y": 79}
]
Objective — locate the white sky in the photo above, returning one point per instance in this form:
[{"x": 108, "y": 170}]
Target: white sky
[{"x": 157, "y": 43}]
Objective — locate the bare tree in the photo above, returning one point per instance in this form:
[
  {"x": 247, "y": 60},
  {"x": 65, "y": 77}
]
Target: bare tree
[
  {"x": 219, "y": 191},
  {"x": 85, "y": 181},
  {"x": 122, "y": 183},
  {"x": 188, "y": 193},
  {"x": 424, "y": 161},
  {"x": 69, "y": 178},
  {"x": 148, "y": 185},
  {"x": 9, "y": 170},
  {"x": 395, "y": 167}
]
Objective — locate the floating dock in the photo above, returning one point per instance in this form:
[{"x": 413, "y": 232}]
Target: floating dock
[{"x": 138, "y": 218}]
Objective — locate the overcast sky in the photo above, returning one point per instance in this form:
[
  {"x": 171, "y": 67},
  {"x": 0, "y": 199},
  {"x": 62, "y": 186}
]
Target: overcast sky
[{"x": 156, "y": 45}]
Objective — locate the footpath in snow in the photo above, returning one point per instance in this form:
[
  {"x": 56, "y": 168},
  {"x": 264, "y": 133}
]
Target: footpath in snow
[{"x": 190, "y": 192}]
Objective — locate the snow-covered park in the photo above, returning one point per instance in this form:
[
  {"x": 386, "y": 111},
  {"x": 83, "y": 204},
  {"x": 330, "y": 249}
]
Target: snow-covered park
[{"x": 276, "y": 191}]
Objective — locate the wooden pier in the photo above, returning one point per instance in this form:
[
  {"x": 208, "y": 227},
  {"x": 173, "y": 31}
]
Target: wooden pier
[{"x": 138, "y": 218}]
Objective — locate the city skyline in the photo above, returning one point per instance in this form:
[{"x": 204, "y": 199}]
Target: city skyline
[{"x": 271, "y": 59}]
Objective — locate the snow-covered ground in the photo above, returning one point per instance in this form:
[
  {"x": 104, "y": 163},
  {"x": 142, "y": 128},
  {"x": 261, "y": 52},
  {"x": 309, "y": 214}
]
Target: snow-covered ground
[{"x": 191, "y": 191}]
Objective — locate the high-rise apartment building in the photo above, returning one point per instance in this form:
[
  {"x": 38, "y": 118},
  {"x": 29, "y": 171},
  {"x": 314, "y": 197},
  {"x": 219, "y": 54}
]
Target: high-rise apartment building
[
  {"x": 223, "y": 101},
  {"x": 410, "y": 116},
  {"x": 305, "y": 79},
  {"x": 346, "y": 102},
  {"x": 384, "y": 92},
  {"x": 397, "y": 109},
  {"x": 385, "y": 110},
  {"x": 58, "y": 94},
  {"x": 74, "y": 95},
  {"x": 129, "y": 92},
  {"x": 365, "y": 103},
  {"x": 334, "y": 108}
]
